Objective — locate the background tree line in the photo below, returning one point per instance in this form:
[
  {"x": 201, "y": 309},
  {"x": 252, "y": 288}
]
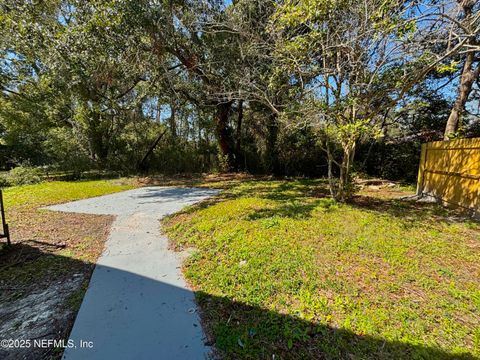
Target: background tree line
[{"x": 309, "y": 88}]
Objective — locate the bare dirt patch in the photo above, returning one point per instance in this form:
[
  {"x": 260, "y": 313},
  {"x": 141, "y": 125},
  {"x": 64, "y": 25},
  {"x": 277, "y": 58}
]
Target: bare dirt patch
[{"x": 44, "y": 274}]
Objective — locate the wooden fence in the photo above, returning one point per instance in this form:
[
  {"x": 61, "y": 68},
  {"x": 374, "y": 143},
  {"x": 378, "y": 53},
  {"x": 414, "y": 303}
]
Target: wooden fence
[{"x": 450, "y": 172}]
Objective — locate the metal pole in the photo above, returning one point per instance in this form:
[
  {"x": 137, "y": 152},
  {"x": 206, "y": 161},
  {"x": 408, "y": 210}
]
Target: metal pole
[{"x": 4, "y": 222}]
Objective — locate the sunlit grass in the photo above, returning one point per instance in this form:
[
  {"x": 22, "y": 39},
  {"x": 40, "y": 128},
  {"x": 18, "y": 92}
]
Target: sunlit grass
[
  {"x": 54, "y": 192},
  {"x": 282, "y": 262}
]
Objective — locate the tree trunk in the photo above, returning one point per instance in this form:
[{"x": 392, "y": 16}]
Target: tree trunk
[
  {"x": 98, "y": 139},
  {"x": 143, "y": 164},
  {"x": 469, "y": 75},
  {"x": 331, "y": 180},
  {"x": 221, "y": 122},
  {"x": 238, "y": 143},
  {"x": 173, "y": 121},
  {"x": 344, "y": 183},
  {"x": 273, "y": 164}
]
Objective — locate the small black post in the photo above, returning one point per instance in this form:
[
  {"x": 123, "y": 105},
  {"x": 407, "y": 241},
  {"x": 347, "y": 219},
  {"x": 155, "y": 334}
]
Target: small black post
[{"x": 6, "y": 233}]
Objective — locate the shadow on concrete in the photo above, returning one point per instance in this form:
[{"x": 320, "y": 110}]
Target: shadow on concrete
[
  {"x": 130, "y": 316},
  {"x": 238, "y": 330},
  {"x": 168, "y": 194}
]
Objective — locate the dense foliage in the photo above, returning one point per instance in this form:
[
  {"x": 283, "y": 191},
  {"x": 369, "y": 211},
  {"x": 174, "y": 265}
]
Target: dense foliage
[{"x": 313, "y": 88}]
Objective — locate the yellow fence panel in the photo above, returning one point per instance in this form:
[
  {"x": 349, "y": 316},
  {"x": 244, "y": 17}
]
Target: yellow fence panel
[{"x": 450, "y": 171}]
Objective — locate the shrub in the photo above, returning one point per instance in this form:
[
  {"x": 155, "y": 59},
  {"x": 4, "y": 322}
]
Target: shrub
[
  {"x": 23, "y": 175},
  {"x": 4, "y": 182}
]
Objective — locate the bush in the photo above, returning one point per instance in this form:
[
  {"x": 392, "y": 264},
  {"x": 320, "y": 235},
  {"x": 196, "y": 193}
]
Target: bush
[
  {"x": 23, "y": 175},
  {"x": 4, "y": 180}
]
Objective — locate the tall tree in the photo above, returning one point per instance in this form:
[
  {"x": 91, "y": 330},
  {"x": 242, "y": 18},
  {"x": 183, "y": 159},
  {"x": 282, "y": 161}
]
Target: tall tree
[
  {"x": 191, "y": 32},
  {"x": 354, "y": 60}
]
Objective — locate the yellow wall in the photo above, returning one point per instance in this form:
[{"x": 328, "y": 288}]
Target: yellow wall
[{"x": 450, "y": 171}]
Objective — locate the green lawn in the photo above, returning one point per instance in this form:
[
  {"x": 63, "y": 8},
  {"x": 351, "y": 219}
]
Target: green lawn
[
  {"x": 54, "y": 192},
  {"x": 280, "y": 269}
]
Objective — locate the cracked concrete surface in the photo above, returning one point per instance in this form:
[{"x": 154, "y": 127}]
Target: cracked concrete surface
[{"x": 137, "y": 305}]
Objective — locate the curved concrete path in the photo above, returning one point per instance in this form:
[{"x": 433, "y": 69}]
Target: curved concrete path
[{"x": 137, "y": 305}]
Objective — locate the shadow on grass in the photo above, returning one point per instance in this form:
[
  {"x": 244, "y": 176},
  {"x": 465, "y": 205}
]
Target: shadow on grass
[
  {"x": 169, "y": 194},
  {"x": 238, "y": 330},
  {"x": 298, "y": 199},
  {"x": 243, "y": 331},
  {"x": 293, "y": 199},
  {"x": 410, "y": 209},
  {"x": 28, "y": 260},
  {"x": 295, "y": 209},
  {"x": 286, "y": 190}
]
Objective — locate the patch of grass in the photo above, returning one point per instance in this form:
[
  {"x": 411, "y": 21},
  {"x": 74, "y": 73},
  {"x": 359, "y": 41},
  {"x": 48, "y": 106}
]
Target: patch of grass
[
  {"x": 282, "y": 270},
  {"x": 54, "y": 192}
]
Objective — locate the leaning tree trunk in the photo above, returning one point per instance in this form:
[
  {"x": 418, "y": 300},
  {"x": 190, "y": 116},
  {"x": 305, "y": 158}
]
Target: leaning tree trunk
[
  {"x": 98, "y": 139},
  {"x": 468, "y": 77},
  {"x": 143, "y": 164}
]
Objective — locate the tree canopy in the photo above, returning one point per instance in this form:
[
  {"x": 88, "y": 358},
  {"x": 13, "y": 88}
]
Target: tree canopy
[{"x": 292, "y": 87}]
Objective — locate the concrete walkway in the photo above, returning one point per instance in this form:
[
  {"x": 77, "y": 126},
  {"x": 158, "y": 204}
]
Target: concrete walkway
[{"x": 137, "y": 305}]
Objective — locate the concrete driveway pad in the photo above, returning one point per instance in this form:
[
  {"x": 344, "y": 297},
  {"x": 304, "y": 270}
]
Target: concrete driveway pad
[{"x": 137, "y": 305}]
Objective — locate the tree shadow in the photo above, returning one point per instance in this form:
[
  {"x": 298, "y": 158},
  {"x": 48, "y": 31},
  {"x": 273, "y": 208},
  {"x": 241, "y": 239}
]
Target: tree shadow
[
  {"x": 130, "y": 315},
  {"x": 82, "y": 175},
  {"x": 287, "y": 190},
  {"x": 295, "y": 209},
  {"x": 298, "y": 199},
  {"x": 411, "y": 209},
  {"x": 291, "y": 198},
  {"x": 38, "y": 296},
  {"x": 167, "y": 194},
  {"x": 224, "y": 180},
  {"x": 246, "y": 331}
]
